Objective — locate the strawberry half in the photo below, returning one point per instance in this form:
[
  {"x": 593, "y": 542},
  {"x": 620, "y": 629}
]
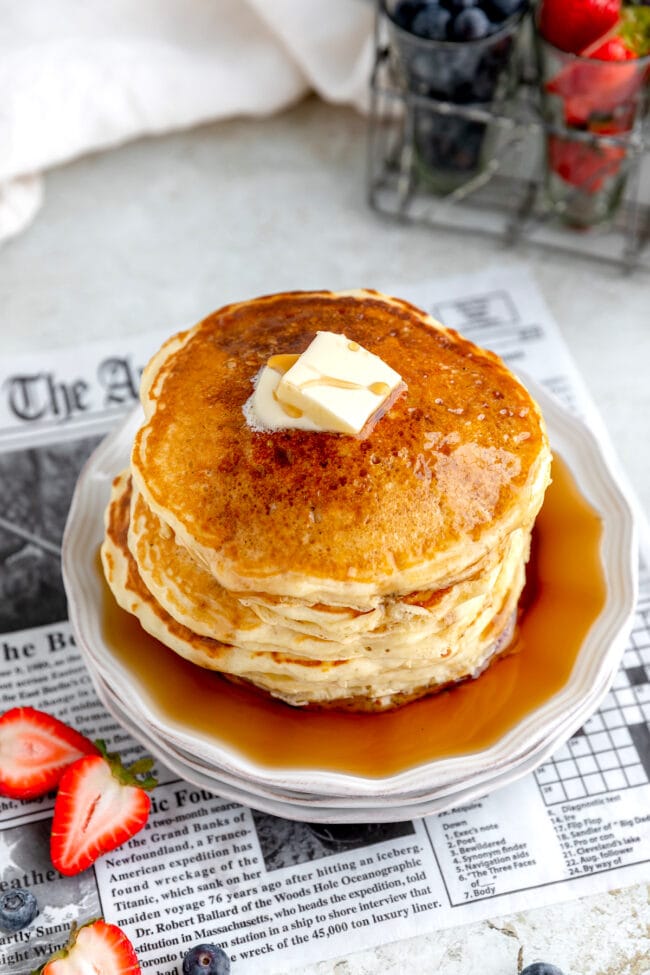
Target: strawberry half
[
  {"x": 96, "y": 947},
  {"x": 100, "y": 805},
  {"x": 573, "y": 25},
  {"x": 581, "y": 165},
  {"x": 600, "y": 85},
  {"x": 35, "y": 750}
]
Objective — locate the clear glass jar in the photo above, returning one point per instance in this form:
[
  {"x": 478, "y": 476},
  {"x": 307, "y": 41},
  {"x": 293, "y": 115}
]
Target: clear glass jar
[
  {"x": 451, "y": 149},
  {"x": 591, "y": 107}
]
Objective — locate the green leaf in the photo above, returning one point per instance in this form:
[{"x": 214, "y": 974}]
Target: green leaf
[
  {"x": 635, "y": 29},
  {"x": 134, "y": 774}
]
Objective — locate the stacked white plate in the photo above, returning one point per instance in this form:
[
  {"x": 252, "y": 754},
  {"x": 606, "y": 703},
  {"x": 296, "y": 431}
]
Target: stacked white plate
[{"x": 307, "y": 791}]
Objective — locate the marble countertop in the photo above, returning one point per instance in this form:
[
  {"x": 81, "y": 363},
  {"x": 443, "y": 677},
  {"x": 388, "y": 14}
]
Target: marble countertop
[{"x": 155, "y": 234}]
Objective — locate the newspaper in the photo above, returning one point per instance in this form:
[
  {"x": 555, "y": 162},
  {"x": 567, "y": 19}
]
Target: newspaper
[{"x": 278, "y": 894}]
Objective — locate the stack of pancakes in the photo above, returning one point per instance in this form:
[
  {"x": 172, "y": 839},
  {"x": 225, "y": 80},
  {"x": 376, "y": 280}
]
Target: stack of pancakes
[{"x": 327, "y": 569}]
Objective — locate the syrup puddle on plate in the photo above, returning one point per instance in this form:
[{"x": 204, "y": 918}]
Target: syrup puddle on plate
[{"x": 564, "y": 594}]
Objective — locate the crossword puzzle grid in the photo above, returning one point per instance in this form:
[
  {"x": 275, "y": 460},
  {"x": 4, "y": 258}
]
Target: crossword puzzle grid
[{"x": 612, "y": 749}]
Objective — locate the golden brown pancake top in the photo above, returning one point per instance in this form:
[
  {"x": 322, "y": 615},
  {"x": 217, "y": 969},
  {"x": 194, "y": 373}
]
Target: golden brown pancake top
[{"x": 455, "y": 455}]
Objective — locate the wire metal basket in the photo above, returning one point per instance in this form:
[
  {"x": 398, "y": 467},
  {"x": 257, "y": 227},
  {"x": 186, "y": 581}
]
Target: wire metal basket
[{"x": 506, "y": 198}]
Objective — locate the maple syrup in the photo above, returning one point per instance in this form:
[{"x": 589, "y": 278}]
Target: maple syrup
[
  {"x": 564, "y": 594},
  {"x": 283, "y": 361}
]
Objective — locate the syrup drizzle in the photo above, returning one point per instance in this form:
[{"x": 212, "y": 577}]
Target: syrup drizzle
[
  {"x": 283, "y": 361},
  {"x": 287, "y": 408}
]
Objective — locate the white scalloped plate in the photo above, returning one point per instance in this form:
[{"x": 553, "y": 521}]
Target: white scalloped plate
[
  {"x": 536, "y": 732},
  {"x": 307, "y": 809},
  {"x": 323, "y": 808}
]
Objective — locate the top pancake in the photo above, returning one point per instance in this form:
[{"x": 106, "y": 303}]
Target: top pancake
[{"x": 458, "y": 461}]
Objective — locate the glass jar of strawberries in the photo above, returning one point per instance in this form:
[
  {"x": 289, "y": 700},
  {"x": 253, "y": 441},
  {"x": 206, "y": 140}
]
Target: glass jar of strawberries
[{"x": 594, "y": 67}]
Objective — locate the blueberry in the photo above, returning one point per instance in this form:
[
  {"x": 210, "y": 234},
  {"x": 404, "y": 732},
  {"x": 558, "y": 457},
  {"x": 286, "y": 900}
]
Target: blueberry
[
  {"x": 541, "y": 968},
  {"x": 449, "y": 143},
  {"x": 405, "y": 12},
  {"x": 17, "y": 909},
  {"x": 501, "y": 9},
  {"x": 484, "y": 84},
  {"x": 432, "y": 22},
  {"x": 206, "y": 960},
  {"x": 471, "y": 25},
  {"x": 455, "y": 6}
]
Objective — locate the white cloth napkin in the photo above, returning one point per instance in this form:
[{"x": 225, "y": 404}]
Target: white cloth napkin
[{"x": 82, "y": 75}]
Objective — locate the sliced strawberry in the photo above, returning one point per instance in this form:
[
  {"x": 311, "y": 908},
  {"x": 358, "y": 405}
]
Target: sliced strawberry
[
  {"x": 600, "y": 85},
  {"x": 613, "y": 49},
  {"x": 98, "y": 948},
  {"x": 35, "y": 750},
  {"x": 100, "y": 805},
  {"x": 573, "y": 25},
  {"x": 585, "y": 112},
  {"x": 581, "y": 165}
]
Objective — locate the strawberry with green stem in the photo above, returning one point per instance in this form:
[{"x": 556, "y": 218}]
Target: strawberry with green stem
[
  {"x": 99, "y": 806},
  {"x": 35, "y": 750},
  {"x": 96, "y": 947}
]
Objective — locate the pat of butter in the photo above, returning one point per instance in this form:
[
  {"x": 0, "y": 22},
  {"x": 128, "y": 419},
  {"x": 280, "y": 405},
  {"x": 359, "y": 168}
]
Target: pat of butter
[
  {"x": 337, "y": 384},
  {"x": 263, "y": 411}
]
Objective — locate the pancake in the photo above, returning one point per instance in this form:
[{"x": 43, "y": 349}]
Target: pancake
[
  {"x": 459, "y": 460},
  {"x": 426, "y": 625},
  {"x": 356, "y": 571},
  {"x": 370, "y": 683}
]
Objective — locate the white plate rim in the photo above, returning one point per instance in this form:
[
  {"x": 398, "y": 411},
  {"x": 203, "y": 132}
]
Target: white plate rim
[
  {"x": 306, "y": 811},
  {"x": 595, "y": 666}
]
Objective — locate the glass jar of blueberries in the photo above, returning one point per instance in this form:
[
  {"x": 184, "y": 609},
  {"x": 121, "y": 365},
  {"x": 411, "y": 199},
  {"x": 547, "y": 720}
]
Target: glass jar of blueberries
[{"x": 458, "y": 52}]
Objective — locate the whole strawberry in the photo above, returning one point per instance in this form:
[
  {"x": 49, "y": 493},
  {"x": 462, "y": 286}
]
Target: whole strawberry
[
  {"x": 574, "y": 25},
  {"x": 100, "y": 805},
  {"x": 35, "y": 750},
  {"x": 96, "y": 947}
]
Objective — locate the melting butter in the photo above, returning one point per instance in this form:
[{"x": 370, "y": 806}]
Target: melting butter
[
  {"x": 283, "y": 361},
  {"x": 334, "y": 386},
  {"x": 337, "y": 383},
  {"x": 291, "y": 411},
  {"x": 264, "y": 411}
]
